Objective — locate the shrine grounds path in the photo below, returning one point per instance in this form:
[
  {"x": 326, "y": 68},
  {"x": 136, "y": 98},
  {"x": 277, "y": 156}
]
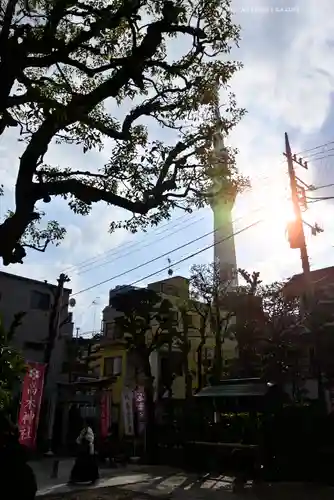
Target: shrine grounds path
[{"x": 154, "y": 482}]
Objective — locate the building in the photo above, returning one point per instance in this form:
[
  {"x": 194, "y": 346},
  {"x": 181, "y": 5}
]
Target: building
[
  {"x": 36, "y": 299},
  {"x": 115, "y": 360},
  {"x": 322, "y": 283},
  {"x": 321, "y": 337}
]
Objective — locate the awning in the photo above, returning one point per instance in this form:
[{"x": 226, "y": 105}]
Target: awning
[{"x": 234, "y": 389}]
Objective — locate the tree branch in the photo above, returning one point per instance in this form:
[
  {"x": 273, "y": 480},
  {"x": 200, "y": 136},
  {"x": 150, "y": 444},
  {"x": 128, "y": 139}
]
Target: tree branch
[
  {"x": 90, "y": 194},
  {"x": 39, "y": 249},
  {"x": 104, "y": 129}
]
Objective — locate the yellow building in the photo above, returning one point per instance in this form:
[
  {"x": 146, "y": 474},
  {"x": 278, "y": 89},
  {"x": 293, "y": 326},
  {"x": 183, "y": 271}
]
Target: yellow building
[{"x": 114, "y": 359}]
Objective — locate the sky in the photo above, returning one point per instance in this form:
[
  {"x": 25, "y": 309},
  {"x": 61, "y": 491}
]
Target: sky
[{"x": 286, "y": 85}]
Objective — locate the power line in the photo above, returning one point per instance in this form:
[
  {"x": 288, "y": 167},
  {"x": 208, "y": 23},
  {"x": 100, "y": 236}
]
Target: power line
[
  {"x": 155, "y": 258},
  {"x": 311, "y": 156},
  {"x": 182, "y": 246},
  {"x": 316, "y": 147},
  {"x": 175, "y": 263},
  {"x": 173, "y": 250},
  {"x": 141, "y": 247},
  {"x": 315, "y": 200},
  {"x": 321, "y": 157},
  {"x": 87, "y": 263},
  {"x": 315, "y": 188},
  {"x": 91, "y": 260},
  {"x": 157, "y": 241}
]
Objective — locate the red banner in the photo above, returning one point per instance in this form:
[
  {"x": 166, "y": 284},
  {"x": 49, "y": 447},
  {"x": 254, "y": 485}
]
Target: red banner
[
  {"x": 140, "y": 403},
  {"x": 32, "y": 392},
  {"x": 105, "y": 413},
  {"x": 140, "y": 408}
]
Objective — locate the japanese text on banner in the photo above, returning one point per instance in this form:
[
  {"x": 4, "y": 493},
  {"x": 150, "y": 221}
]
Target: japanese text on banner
[{"x": 32, "y": 392}]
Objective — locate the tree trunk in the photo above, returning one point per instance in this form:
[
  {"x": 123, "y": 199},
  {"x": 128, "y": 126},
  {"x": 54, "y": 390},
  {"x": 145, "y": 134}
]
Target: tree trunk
[
  {"x": 185, "y": 351},
  {"x": 170, "y": 378},
  {"x": 218, "y": 359},
  {"x": 199, "y": 366},
  {"x": 150, "y": 442},
  {"x": 200, "y": 354},
  {"x": 188, "y": 377}
]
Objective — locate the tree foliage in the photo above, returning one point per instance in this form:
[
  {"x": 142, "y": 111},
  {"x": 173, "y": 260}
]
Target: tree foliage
[
  {"x": 145, "y": 321},
  {"x": 91, "y": 71},
  {"x": 210, "y": 299},
  {"x": 272, "y": 335},
  {"x": 12, "y": 366}
]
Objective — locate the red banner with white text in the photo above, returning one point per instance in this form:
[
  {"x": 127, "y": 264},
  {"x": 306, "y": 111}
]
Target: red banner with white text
[{"x": 31, "y": 399}]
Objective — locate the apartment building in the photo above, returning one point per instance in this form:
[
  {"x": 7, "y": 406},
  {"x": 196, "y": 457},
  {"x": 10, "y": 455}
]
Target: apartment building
[
  {"x": 36, "y": 298},
  {"x": 115, "y": 360}
]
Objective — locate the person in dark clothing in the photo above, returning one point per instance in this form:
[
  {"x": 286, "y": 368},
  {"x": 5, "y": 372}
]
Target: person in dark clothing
[
  {"x": 85, "y": 468},
  {"x": 16, "y": 476}
]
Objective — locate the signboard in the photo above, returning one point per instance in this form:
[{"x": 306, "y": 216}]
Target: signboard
[
  {"x": 105, "y": 413},
  {"x": 32, "y": 392},
  {"x": 127, "y": 407}
]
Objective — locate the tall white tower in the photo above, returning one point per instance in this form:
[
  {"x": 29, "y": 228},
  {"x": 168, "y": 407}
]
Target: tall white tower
[{"x": 222, "y": 203}]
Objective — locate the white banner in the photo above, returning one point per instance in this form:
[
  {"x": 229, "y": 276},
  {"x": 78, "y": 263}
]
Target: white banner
[{"x": 127, "y": 407}]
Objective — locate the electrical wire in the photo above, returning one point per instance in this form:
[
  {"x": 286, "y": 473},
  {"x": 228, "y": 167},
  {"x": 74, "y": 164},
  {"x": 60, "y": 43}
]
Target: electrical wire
[
  {"x": 91, "y": 266},
  {"x": 126, "y": 254},
  {"x": 316, "y": 188},
  {"x": 162, "y": 255},
  {"x": 322, "y": 157},
  {"x": 115, "y": 250},
  {"x": 311, "y": 156},
  {"x": 173, "y": 250},
  {"x": 315, "y": 200},
  {"x": 259, "y": 208},
  {"x": 167, "y": 267},
  {"x": 88, "y": 263},
  {"x": 316, "y": 147}
]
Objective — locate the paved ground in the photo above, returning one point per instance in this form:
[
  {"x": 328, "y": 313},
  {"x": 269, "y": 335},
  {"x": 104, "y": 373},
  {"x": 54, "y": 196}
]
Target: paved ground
[{"x": 169, "y": 483}]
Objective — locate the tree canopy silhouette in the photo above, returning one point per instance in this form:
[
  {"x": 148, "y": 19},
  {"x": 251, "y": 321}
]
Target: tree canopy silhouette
[{"x": 68, "y": 67}]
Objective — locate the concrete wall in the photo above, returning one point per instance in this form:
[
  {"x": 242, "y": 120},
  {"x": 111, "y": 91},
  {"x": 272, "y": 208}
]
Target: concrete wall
[{"x": 16, "y": 295}]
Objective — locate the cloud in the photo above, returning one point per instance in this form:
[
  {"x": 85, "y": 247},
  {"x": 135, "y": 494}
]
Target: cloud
[{"x": 286, "y": 85}]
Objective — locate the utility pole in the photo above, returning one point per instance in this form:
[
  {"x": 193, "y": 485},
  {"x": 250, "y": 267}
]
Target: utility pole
[
  {"x": 54, "y": 329},
  {"x": 297, "y": 228},
  {"x": 73, "y": 355},
  {"x": 297, "y": 240}
]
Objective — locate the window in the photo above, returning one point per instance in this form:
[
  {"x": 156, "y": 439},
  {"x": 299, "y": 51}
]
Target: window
[
  {"x": 39, "y": 300},
  {"x": 113, "y": 331},
  {"x": 112, "y": 366},
  {"x": 109, "y": 330}
]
